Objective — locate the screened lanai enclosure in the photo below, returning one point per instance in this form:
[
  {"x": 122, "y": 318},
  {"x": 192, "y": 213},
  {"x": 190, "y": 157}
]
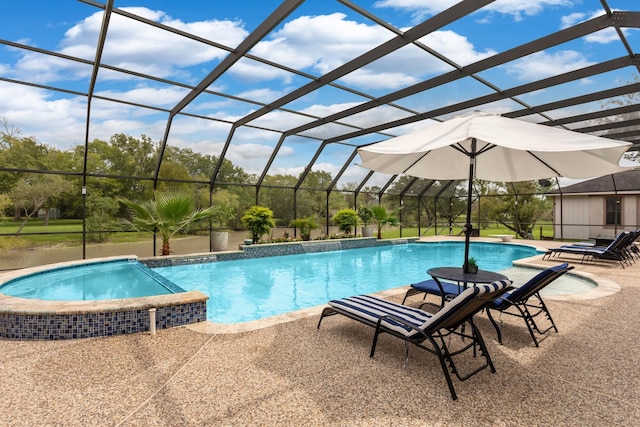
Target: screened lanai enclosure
[{"x": 266, "y": 103}]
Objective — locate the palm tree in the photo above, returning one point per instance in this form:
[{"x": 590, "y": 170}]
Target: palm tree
[
  {"x": 382, "y": 217},
  {"x": 170, "y": 212}
]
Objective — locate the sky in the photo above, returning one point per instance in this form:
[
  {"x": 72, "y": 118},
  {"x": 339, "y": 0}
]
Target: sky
[{"x": 315, "y": 39}]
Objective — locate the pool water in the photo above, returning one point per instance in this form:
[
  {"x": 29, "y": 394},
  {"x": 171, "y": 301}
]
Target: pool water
[
  {"x": 97, "y": 281},
  {"x": 567, "y": 284},
  {"x": 252, "y": 289}
]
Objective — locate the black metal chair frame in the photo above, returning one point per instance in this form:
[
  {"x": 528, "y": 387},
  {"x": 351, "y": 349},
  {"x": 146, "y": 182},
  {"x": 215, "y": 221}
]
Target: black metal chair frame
[
  {"x": 528, "y": 307},
  {"x": 619, "y": 250},
  {"x": 436, "y": 336}
]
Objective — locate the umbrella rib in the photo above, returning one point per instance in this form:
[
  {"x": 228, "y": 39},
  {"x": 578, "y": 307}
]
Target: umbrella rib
[
  {"x": 417, "y": 160},
  {"x": 485, "y": 148},
  {"x": 461, "y": 149},
  {"x": 544, "y": 163}
]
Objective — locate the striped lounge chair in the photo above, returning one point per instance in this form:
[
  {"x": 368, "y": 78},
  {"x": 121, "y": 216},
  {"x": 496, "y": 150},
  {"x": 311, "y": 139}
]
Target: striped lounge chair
[
  {"x": 525, "y": 302},
  {"x": 617, "y": 250},
  {"x": 419, "y": 327}
]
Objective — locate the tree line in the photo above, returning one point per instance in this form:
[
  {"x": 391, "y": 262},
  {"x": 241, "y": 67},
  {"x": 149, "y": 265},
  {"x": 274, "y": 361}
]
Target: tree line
[{"x": 38, "y": 178}]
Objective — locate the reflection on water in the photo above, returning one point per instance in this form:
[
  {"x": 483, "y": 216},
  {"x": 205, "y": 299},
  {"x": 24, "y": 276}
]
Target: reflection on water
[
  {"x": 251, "y": 289},
  {"x": 101, "y": 281},
  {"x": 567, "y": 284}
]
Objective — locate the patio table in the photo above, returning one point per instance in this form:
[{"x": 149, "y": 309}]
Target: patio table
[{"x": 457, "y": 274}]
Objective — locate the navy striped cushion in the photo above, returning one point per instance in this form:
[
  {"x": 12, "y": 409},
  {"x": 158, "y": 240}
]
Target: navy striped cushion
[
  {"x": 451, "y": 308},
  {"x": 516, "y": 295},
  {"x": 431, "y": 287},
  {"x": 372, "y": 308}
]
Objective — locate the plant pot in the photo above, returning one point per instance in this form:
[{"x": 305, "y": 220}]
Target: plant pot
[
  {"x": 367, "y": 231},
  {"x": 219, "y": 241},
  {"x": 473, "y": 269},
  {"x": 247, "y": 242}
]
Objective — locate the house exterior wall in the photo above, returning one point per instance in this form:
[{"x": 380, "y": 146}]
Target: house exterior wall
[
  {"x": 631, "y": 213},
  {"x": 583, "y": 216},
  {"x": 571, "y": 216}
]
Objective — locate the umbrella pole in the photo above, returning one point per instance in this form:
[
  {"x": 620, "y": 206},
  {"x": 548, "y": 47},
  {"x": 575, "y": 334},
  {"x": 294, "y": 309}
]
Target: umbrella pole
[{"x": 468, "y": 227}]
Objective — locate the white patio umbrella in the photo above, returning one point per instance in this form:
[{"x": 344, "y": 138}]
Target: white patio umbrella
[{"x": 494, "y": 148}]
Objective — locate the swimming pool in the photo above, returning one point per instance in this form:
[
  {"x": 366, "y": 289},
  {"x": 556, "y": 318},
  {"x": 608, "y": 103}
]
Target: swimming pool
[
  {"x": 245, "y": 290},
  {"x": 91, "y": 282},
  {"x": 240, "y": 287},
  {"x": 102, "y": 297}
]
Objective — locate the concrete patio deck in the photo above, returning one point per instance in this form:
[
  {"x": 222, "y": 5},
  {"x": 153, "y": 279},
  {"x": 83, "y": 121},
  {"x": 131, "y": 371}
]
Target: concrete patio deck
[{"x": 292, "y": 374}]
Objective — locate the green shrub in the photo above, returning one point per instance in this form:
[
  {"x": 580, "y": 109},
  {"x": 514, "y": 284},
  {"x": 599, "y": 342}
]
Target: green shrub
[
  {"x": 259, "y": 221},
  {"x": 346, "y": 220}
]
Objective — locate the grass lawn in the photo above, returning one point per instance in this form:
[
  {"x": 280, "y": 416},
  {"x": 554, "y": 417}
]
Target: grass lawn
[
  {"x": 62, "y": 230},
  {"x": 547, "y": 231}
]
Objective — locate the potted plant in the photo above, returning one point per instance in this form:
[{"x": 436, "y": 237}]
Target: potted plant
[
  {"x": 224, "y": 204},
  {"x": 346, "y": 220},
  {"x": 472, "y": 265},
  {"x": 366, "y": 216},
  {"x": 306, "y": 225},
  {"x": 259, "y": 221}
]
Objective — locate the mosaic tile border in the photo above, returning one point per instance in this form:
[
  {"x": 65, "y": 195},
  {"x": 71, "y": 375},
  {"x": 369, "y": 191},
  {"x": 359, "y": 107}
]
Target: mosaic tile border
[
  {"x": 275, "y": 249},
  {"x": 53, "y": 326}
]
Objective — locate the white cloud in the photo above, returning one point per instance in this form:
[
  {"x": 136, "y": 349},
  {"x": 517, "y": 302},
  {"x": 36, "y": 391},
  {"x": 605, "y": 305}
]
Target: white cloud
[
  {"x": 59, "y": 121},
  {"x": 322, "y": 110},
  {"x": 327, "y": 167},
  {"x": 322, "y": 43},
  {"x": 604, "y": 36},
  {"x": 455, "y": 46},
  {"x": 376, "y": 116},
  {"x": 264, "y": 94},
  {"x": 133, "y": 45},
  {"x": 315, "y": 44},
  {"x": 421, "y": 9},
  {"x": 253, "y": 157},
  {"x": 375, "y": 80},
  {"x": 282, "y": 170},
  {"x": 574, "y": 18},
  {"x": 518, "y": 8},
  {"x": 166, "y": 97},
  {"x": 246, "y": 149},
  {"x": 252, "y": 71},
  {"x": 541, "y": 64}
]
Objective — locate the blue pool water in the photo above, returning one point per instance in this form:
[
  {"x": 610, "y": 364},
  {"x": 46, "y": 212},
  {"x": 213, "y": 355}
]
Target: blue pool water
[
  {"x": 252, "y": 289},
  {"x": 245, "y": 290},
  {"x": 97, "y": 281}
]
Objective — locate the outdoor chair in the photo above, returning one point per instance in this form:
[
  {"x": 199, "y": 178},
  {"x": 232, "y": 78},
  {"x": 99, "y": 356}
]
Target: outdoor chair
[
  {"x": 617, "y": 250},
  {"x": 439, "y": 288},
  {"x": 526, "y": 302},
  {"x": 419, "y": 327},
  {"x": 627, "y": 247}
]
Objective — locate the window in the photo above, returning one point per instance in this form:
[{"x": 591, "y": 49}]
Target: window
[{"x": 613, "y": 215}]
